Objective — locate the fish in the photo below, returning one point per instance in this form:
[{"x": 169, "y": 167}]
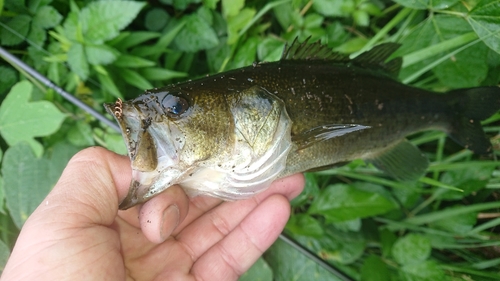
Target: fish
[{"x": 230, "y": 135}]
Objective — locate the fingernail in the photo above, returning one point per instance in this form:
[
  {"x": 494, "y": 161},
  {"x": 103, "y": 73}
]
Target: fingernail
[{"x": 170, "y": 220}]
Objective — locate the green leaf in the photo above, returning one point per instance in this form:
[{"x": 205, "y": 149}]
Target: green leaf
[
  {"x": 16, "y": 30},
  {"x": 212, "y": 4},
  {"x": 2, "y": 195},
  {"x": 133, "y": 78},
  {"x": 108, "y": 84},
  {"x": 100, "y": 54},
  {"x": 196, "y": 35},
  {"x": 77, "y": 61},
  {"x": 102, "y": 20},
  {"x": 427, "y": 4},
  {"x": 270, "y": 49},
  {"x": 129, "y": 61},
  {"x": 303, "y": 224},
  {"x": 485, "y": 20},
  {"x": 412, "y": 248},
  {"x": 36, "y": 35},
  {"x": 459, "y": 224},
  {"x": 21, "y": 120},
  {"x": 25, "y": 180},
  {"x": 465, "y": 69},
  {"x": 4, "y": 254},
  {"x": 237, "y": 23},
  {"x": 260, "y": 271},
  {"x": 423, "y": 271},
  {"x": 311, "y": 190},
  {"x": 47, "y": 17},
  {"x": 231, "y": 8},
  {"x": 29, "y": 179},
  {"x": 8, "y": 77},
  {"x": 329, "y": 8},
  {"x": 156, "y": 19},
  {"x": 289, "y": 264},
  {"x": 342, "y": 202},
  {"x": 132, "y": 39},
  {"x": 470, "y": 180},
  {"x": 374, "y": 269},
  {"x": 158, "y": 74},
  {"x": 246, "y": 54},
  {"x": 80, "y": 135}
]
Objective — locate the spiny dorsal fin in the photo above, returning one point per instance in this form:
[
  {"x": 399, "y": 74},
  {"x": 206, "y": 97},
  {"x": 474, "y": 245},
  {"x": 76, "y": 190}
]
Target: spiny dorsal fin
[
  {"x": 375, "y": 59},
  {"x": 313, "y": 51}
]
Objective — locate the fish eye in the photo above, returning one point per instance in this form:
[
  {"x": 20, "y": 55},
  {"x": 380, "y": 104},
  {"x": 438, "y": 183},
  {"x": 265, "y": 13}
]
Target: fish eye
[{"x": 174, "y": 106}]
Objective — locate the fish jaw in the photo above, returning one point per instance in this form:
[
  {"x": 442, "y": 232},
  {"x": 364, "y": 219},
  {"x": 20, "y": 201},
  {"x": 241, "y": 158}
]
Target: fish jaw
[{"x": 152, "y": 162}]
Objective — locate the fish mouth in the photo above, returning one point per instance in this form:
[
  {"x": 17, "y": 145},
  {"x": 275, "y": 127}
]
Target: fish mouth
[{"x": 150, "y": 150}]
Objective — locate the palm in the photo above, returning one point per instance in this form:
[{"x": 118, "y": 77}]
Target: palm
[{"x": 76, "y": 233}]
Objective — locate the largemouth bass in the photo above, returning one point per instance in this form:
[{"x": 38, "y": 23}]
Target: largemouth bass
[{"x": 230, "y": 135}]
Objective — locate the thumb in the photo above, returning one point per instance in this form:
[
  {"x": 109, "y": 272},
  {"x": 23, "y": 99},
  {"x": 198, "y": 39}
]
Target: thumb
[{"x": 90, "y": 188}]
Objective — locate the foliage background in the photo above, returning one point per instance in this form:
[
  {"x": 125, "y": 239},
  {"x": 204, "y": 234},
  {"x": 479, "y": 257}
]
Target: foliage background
[{"x": 369, "y": 226}]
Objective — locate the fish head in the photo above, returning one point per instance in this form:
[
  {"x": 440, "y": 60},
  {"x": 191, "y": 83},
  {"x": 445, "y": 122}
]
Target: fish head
[{"x": 169, "y": 133}]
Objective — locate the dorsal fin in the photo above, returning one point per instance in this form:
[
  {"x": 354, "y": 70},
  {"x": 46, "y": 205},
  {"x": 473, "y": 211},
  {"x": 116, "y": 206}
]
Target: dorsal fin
[
  {"x": 375, "y": 59},
  {"x": 313, "y": 51}
]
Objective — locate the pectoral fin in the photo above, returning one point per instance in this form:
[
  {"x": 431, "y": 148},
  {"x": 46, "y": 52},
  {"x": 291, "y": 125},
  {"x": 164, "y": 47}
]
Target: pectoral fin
[
  {"x": 402, "y": 161},
  {"x": 325, "y": 132}
]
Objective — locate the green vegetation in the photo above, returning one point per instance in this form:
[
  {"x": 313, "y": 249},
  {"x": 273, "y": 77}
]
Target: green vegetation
[{"x": 443, "y": 227}]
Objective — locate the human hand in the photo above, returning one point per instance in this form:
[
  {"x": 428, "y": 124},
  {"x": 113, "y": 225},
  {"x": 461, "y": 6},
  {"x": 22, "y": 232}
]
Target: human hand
[{"x": 77, "y": 232}]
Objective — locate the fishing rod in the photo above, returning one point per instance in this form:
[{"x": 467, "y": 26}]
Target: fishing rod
[{"x": 19, "y": 64}]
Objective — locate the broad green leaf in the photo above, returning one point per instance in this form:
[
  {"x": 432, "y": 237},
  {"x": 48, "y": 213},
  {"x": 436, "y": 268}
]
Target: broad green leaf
[
  {"x": 130, "y": 39},
  {"x": 28, "y": 179},
  {"x": 196, "y": 35},
  {"x": 26, "y": 184},
  {"x": 36, "y": 35},
  {"x": 129, "y": 61},
  {"x": 423, "y": 271},
  {"x": 342, "y": 202},
  {"x": 216, "y": 56},
  {"x": 351, "y": 225},
  {"x": 427, "y": 4},
  {"x": 311, "y": 191},
  {"x": 231, "y": 8},
  {"x": 374, "y": 269},
  {"x": 77, "y": 61},
  {"x": 47, "y": 17},
  {"x": 2, "y": 194},
  {"x": 158, "y": 74},
  {"x": 212, "y": 4},
  {"x": 16, "y": 30},
  {"x": 80, "y": 135},
  {"x": 336, "y": 245},
  {"x": 289, "y": 264},
  {"x": 303, "y": 224},
  {"x": 4, "y": 254},
  {"x": 466, "y": 69},
  {"x": 8, "y": 77},
  {"x": 412, "y": 248},
  {"x": 102, "y": 20},
  {"x": 108, "y": 84},
  {"x": 133, "y": 78},
  {"x": 270, "y": 49},
  {"x": 329, "y": 8},
  {"x": 156, "y": 19},
  {"x": 469, "y": 180},
  {"x": 485, "y": 20},
  {"x": 246, "y": 54},
  {"x": 21, "y": 120},
  {"x": 459, "y": 224},
  {"x": 236, "y": 23},
  {"x": 100, "y": 54},
  {"x": 112, "y": 141},
  {"x": 260, "y": 271}
]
